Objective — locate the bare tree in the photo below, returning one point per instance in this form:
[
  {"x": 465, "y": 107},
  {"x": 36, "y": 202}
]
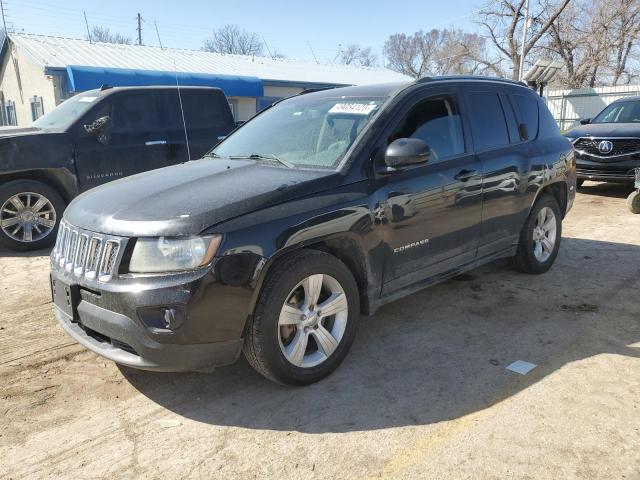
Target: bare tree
[
  {"x": 104, "y": 35},
  {"x": 503, "y": 21},
  {"x": 597, "y": 42},
  {"x": 354, "y": 54},
  {"x": 230, "y": 39},
  {"x": 440, "y": 52}
]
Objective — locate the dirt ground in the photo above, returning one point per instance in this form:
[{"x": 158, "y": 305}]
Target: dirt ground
[{"x": 423, "y": 394}]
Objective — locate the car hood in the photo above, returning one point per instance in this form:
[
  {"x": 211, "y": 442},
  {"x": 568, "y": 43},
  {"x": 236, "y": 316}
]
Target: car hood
[
  {"x": 605, "y": 130},
  {"x": 189, "y": 198}
]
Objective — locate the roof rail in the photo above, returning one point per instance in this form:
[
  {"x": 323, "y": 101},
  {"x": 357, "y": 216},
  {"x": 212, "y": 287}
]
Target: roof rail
[
  {"x": 443, "y": 78},
  {"x": 313, "y": 90}
]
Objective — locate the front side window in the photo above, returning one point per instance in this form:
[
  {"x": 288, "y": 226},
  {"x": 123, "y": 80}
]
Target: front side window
[
  {"x": 134, "y": 112},
  {"x": 313, "y": 130},
  {"x": 623, "y": 112},
  {"x": 437, "y": 122}
]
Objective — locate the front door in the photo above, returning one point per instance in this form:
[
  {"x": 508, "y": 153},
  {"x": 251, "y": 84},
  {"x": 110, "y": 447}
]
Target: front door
[
  {"x": 432, "y": 211},
  {"x": 131, "y": 140}
]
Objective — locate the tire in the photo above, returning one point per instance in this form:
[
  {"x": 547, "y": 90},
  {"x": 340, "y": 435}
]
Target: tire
[
  {"x": 579, "y": 183},
  {"x": 267, "y": 340},
  {"x": 633, "y": 202},
  {"x": 43, "y": 223},
  {"x": 532, "y": 256}
]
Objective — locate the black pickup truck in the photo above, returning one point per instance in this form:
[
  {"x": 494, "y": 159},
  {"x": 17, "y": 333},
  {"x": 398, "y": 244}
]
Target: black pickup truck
[
  {"x": 322, "y": 207},
  {"x": 93, "y": 138}
]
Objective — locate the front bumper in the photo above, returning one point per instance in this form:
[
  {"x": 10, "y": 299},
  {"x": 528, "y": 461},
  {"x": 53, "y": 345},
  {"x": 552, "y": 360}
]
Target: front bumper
[
  {"x": 119, "y": 339},
  {"x": 610, "y": 171},
  {"x": 112, "y": 318}
]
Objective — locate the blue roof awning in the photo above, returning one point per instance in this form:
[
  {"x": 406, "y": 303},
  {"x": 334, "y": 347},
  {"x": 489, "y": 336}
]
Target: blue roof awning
[{"x": 83, "y": 78}]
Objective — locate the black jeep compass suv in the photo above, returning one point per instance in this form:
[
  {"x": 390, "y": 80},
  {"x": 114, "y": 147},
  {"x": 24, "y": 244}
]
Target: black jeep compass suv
[
  {"x": 321, "y": 208},
  {"x": 608, "y": 146}
]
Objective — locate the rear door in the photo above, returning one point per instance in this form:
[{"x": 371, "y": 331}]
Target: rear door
[
  {"x": 134, "y": 142},
  {"x": 207, "y": 116},
  {"x": 504, "y": 156},
  {"x": 432, "y": 211}
]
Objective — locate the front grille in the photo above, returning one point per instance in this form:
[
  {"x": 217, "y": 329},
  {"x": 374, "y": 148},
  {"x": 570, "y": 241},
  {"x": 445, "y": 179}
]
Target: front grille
[
  {"x": 621, "y": 146},
  {"x": 87, "y": 254}
]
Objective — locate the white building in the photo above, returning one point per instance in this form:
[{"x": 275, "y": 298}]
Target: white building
[{"x": 38, "y": 72}]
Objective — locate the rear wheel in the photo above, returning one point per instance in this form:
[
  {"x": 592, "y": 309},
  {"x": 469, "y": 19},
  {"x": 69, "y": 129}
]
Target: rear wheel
[
  {"x": 540, "y": 237},
  {"x": 305, "y": 320},
  {"x": 30, "y": 213}
]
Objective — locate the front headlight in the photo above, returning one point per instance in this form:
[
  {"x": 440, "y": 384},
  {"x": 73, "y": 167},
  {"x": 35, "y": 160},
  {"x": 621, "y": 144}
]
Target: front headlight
[{"x": 166, "y": 254}]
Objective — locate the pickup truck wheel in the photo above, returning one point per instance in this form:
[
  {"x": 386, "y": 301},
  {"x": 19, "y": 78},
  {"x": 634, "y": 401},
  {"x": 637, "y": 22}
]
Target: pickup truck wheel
[
  {"x": 30, "y": 213},
  {"x": 633, "y": 202},
  {"x": 540, "y": 237},
  {"x": 305, "y": 320},
  {"x": 579, "y": 182}
]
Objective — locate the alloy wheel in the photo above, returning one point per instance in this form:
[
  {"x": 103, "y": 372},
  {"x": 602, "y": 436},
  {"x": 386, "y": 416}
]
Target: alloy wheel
[
  {"x": 544, "y": 234},
  {"x": 27, "y": 217},
  {"x": 313, "y": 320}
]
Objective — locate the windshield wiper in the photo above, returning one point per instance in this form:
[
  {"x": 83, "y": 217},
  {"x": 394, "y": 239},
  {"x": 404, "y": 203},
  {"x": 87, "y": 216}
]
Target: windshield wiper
[{"x": 271, "y": 156}]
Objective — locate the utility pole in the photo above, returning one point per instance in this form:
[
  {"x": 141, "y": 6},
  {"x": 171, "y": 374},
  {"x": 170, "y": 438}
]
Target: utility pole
[
  {"x": 525, "y": 29},
  {"x": 312, "y": 52},
  {"x": 4, "y": 22},
  {"x": 139, "y": 29},
  {"x": 158, "y": 34},
  {"x": 86, "y": 22}
]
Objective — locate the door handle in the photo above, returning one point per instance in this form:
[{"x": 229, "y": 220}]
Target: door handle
[
  {"x": 155, "y": 142},
  {"x": 465, "y": 175}
]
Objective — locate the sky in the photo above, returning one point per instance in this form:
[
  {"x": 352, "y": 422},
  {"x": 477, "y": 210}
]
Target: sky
[{"x": 290, "y": 28}]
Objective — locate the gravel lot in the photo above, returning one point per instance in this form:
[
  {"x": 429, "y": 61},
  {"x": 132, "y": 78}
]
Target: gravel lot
[{"x": 423, "y": 394}]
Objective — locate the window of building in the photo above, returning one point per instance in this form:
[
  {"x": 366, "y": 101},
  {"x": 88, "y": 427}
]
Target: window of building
[
  {"x": 10, "y": 110},
  {"x": 488, "y": 124},
  {"x": 37, "y": 108}
]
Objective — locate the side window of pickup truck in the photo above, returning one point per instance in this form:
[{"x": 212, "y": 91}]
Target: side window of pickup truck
[
  {"x": 437, "y": 122},
  {"x": 135, "y": 112}
]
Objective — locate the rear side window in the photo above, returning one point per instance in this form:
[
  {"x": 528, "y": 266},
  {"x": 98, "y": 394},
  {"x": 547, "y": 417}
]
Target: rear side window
[
  {"x": 205, "y": 109},
  {"x": 527, "y": 110},
  {"x": 488, "y": 124},
  {"x": 437, "y": 122}
]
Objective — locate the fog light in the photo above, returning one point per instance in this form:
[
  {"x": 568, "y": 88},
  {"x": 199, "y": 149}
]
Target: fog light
[
  {"x": 162, "y": 319},
  {"x": 170, "y": 321}
]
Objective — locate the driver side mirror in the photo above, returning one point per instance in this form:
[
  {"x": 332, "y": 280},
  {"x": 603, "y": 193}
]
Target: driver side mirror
[
  {"x": 585, "y": 121},
  {"x": 101, "y": 129},
  {"x": 406, "y": 151}
]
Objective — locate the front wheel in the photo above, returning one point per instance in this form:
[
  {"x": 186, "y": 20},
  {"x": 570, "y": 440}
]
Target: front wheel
[
  {"x": 305, "y": 320},
  {"x": 540, "y": 237},
  {"x": 30, "y": 213},
  {"x": 579, "y": 183}
]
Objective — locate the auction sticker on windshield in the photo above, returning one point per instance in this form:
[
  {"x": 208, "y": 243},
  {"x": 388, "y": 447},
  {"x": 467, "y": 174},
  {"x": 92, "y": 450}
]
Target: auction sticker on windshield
[{"x": 353, "y": 108}]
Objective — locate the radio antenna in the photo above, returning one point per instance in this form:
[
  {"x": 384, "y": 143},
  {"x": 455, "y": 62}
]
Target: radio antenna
[{"x": 184, "y": 122}]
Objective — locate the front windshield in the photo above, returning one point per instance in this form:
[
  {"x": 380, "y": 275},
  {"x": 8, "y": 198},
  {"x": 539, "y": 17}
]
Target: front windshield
[
  {"x": 67, "y": 112},
  {"x": 306, "y": 131},
  {"x": 622, "y": 112}
]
